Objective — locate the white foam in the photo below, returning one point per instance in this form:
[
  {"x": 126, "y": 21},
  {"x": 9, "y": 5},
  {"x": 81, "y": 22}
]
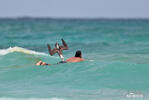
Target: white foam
[
  {"x": 91, "y": 60},
  {"x": 19, "y": 49},
  {"x": 7, "y": 98}
]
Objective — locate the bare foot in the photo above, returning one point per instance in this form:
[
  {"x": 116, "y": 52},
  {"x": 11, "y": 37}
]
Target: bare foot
[{"x": 39, "y": 63}]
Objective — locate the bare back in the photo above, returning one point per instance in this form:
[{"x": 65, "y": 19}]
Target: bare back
[{"x": 75, "y": 59}]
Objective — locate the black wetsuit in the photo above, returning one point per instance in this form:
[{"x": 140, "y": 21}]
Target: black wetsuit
[{"x": 62, "y": 62}]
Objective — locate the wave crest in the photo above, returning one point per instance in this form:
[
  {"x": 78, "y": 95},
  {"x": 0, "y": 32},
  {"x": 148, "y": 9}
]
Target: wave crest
[
  {"x": 5, "y": 98},
  {"x": 20, "y": 49}
]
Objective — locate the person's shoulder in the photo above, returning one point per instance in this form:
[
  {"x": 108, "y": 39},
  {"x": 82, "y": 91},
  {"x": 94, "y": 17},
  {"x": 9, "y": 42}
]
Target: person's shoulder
[
  {"x": 75, "y": 59},
  {"x": 82, "y": 59},
  {"x": 70, "y": 58}
]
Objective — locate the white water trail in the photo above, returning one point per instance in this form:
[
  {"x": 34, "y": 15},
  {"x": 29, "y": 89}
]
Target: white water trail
[{"x": 20, "y": 49}]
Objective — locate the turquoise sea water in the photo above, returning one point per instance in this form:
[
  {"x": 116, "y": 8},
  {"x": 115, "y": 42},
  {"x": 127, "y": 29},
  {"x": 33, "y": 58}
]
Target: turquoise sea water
[{"x": 116, "y": 53}]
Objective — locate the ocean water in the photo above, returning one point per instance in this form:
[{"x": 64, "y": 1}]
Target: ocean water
[{"x": 116, "y": 65}]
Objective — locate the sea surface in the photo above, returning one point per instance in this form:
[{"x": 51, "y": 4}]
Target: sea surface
[{"x": 116, "y": 65}]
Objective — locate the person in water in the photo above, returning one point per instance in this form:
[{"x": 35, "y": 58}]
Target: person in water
[{"x": 76, "y": 58}]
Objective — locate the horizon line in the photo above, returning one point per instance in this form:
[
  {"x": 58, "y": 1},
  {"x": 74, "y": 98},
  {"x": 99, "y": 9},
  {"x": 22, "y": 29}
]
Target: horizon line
[{"x": 81, "y": 18}]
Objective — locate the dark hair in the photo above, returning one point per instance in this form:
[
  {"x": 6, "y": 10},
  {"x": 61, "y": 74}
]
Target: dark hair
[{"x": 78, "y": 54}]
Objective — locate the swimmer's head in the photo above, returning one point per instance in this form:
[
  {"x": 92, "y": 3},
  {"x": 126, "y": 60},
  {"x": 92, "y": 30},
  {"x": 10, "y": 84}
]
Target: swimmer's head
[
  {"x": 78, "y": 54},
  {"x": 57, "y": 46}
]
